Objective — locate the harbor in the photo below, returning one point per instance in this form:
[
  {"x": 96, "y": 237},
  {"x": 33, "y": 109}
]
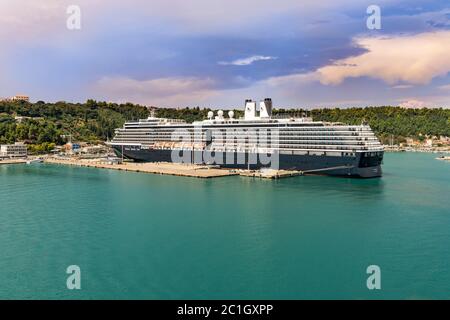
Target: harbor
[
  {"x": 174, "y": 169},
  {"x": 162, "y": 168},
  {"x": 132, "y": 226},
  {"x": 224, "y": 156}
]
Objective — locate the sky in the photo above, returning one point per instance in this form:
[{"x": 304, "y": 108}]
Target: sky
[{"x": 217, "y": 53}]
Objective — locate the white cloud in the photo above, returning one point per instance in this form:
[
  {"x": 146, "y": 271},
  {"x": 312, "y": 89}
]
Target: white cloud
[
  {"x": 235, "y": 16},
  {"x": 402, "y": 86},
  {"x": 293, "y": 79},
  {"x": 413, "y": 104},
  {"x": 445, "y": 87},
  {"x": 397, "y": 60},
  {"x": 407, "y": 60},
  {"x": 31, "y": 17},
  {"x": 413, "y": 59},
  {"x": 246, "y": 61},
  {"x": 27, "y": 20},
  {"x": 171, "y": 91}
]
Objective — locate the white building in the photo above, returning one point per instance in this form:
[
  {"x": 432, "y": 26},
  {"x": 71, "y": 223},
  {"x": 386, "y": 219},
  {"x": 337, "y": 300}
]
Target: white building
[
  {"x": 20, "y": 97},
  {"x": 17, "y": 150},
  {"x": 429, "y": 143}
]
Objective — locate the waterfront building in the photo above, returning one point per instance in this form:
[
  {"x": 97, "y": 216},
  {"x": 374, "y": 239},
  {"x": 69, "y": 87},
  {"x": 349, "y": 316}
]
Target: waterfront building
[
  {"x": 20, "y": 97},
  {"x": 17, "y": 150},
  {"x": 20, "y": 119},
  {"x": 72, "y": 148}
]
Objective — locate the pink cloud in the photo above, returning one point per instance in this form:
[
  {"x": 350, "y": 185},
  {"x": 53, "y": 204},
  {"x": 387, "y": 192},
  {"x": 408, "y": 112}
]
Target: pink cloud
[
  {"x": 171, "y": 91},
  {"x": 413, "y": 59},
  {"x": 413, "y": 104}
]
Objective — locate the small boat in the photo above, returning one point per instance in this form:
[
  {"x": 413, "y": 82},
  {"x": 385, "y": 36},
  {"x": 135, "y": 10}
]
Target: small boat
[
  {"x": 37, "y": 160},
  {"x": 443, "y": 158}
]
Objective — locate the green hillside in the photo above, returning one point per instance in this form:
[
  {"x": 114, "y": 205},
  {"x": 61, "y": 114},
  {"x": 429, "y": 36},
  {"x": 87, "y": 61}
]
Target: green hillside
[{"x": 46, "y": 123}]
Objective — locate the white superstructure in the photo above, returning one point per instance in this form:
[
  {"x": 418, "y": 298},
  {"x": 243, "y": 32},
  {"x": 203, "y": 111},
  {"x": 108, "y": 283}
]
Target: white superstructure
[{"x": 296, "y": 138}]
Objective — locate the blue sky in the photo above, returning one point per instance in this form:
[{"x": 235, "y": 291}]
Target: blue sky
[{"x": 216, "y": 53}]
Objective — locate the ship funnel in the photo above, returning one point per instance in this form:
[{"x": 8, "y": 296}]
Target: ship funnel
[
  {"x": 265, "y": 108},
  {"x": 250, "y": 110}
]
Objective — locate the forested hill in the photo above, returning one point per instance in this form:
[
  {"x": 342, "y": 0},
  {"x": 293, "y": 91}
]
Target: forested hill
[
  {"x": 95, "y": 121},
  {"x": 47, "y": 122},
  {"x": 385, "y": 121},
  {"x": 396, "y": 121}
]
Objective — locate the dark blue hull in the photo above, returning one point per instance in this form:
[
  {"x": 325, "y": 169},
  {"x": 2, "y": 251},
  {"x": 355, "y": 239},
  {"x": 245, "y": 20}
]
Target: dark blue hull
[{"x": 364, "y": 165}]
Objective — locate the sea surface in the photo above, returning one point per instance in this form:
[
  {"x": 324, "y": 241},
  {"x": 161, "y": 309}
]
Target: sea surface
[{"x": 143, "y": 236}]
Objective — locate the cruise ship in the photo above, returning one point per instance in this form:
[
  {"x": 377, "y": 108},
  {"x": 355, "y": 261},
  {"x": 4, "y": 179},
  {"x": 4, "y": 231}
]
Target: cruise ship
[{"x": 256, "y": 141}]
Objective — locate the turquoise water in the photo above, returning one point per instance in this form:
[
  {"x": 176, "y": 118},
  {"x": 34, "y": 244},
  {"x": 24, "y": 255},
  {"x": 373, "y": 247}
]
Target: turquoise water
[{"x": 162, "y": 237}]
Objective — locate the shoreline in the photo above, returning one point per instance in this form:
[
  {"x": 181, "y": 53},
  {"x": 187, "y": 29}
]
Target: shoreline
[
  {"x": 408, "y": 149},
  {"x": 13, "y": 161},
  {"x": 179, "y": 169}
]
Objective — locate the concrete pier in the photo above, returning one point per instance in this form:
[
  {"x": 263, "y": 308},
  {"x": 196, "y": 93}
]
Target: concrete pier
[
  {"x": 13, "y": 161},
  {"x": 175, "y": 169},
  {"x": 270, "y": 173}
]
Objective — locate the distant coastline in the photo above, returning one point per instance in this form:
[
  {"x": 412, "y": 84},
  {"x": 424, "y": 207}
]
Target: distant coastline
[{"x": 419, "y": 149}]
